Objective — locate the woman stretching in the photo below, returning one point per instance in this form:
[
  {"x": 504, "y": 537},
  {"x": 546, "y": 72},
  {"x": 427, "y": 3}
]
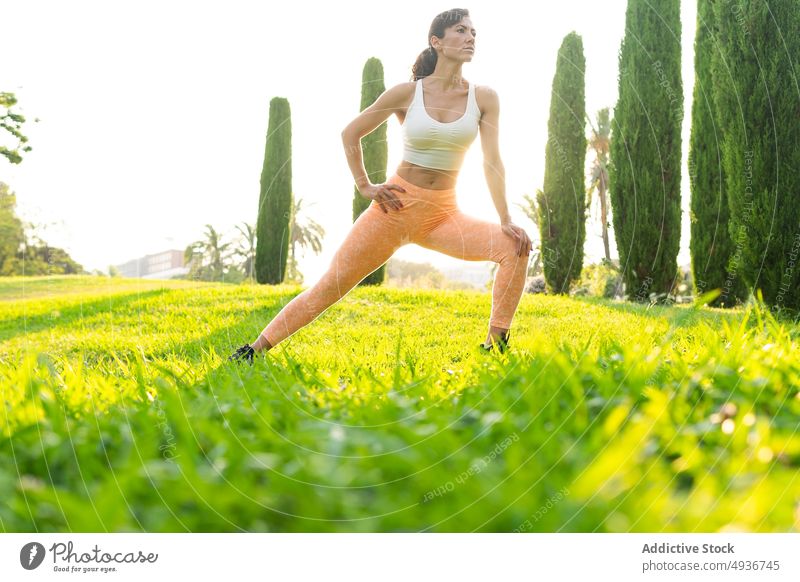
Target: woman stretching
[{"x": 441, "y": 114}]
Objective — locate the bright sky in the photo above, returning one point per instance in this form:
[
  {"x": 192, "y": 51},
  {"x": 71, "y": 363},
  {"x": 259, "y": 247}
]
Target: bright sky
[{"x": 154, "y": 114}]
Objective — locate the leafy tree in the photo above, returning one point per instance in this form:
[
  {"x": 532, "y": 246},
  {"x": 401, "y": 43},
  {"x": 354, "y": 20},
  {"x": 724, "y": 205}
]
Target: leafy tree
[
  {"x": 562, "y": 201},
  {"x": 645, "y": 171},
  {"x": 12, "y": 123},
  {"x": 12, "y": 232},
  {"x": 43, "y": 259},
  {"x": 22, "y": 253}
]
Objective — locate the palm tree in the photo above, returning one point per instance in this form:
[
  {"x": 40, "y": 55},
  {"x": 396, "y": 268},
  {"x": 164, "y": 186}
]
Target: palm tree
[
  {"x": 210, "y": 249},
  {"x": 305, "y": 234},
  {"x": 194, "y": 259},
  {"x": 247, "y": 248},
  {"x": 599, "y": 143}
]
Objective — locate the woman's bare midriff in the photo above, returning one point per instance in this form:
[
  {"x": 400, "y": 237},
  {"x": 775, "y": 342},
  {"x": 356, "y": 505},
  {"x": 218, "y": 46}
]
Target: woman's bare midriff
[{"x": 429, "y": 178}]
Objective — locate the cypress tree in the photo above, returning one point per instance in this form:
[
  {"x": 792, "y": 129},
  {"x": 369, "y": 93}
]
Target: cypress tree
[
  {"x": 756, "y": 89},
  {"x": 374, "y": 149},
  {"x": 562, "y": 202},
  {"x": 275, "y": 200},
  {"x": 645, "y": 172},
  {"x": 710, "y": 245},
  {"x": 12, "y": 233}
]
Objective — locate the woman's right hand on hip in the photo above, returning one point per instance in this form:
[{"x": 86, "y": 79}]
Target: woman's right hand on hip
[{"x": 383, "y": 195}]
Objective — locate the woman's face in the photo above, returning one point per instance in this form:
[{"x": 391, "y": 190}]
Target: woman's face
[{"x": 457, "y": 42}]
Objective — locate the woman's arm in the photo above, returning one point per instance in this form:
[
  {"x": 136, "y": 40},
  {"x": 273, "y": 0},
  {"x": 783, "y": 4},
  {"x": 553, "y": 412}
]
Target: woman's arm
[
  {"x": 496, "y": 172},
  {"x": 492, "y": 164},
  {"x": 387, "y": 103}
]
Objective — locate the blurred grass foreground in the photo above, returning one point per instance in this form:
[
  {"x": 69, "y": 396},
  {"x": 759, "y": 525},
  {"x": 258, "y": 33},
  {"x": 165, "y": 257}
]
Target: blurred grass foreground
[{"x": 121, "y": 413}]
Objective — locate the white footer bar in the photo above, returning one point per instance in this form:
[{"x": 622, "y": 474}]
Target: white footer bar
[{"x": 400, "y": 557}]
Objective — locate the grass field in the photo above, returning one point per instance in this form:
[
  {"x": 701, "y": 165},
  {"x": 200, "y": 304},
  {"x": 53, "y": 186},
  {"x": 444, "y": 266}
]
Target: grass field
[{"x": 121, "y": 413}]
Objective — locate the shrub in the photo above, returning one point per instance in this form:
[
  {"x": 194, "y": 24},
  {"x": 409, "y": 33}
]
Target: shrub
[{"x": 599, "y": 280}]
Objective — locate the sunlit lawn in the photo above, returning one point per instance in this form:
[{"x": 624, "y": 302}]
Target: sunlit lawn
[{"x": 122, "y": 413}]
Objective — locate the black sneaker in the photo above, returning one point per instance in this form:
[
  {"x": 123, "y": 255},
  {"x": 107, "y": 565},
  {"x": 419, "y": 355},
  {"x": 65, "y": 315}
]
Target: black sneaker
[
  {"x": 501, "y": 343},
  {"x": 243, "y": 353}
]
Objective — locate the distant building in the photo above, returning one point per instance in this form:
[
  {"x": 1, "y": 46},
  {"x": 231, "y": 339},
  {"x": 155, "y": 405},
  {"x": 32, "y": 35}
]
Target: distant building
[{"x": 164, "y": 265}]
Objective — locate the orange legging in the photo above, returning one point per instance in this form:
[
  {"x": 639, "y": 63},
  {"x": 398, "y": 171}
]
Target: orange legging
[{"x": 429, "y": 218}]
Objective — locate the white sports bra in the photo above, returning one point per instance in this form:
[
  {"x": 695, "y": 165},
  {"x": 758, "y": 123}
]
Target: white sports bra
[{"x": 435, "y": 144}]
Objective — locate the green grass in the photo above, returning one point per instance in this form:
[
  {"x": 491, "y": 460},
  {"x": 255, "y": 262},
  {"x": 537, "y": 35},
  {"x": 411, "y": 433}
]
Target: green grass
[{"x": 121, "y": 413}]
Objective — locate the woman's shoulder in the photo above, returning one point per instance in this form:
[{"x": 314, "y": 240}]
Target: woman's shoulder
[
  {"x": 486, "y": 97},
  {"x": 485, "y": 91},
  {"x": 401, "y": 95},
  {"x": 402, "y": 91}
]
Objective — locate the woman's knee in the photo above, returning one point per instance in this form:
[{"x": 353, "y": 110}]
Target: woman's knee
[{"x": 509, "y": 251}]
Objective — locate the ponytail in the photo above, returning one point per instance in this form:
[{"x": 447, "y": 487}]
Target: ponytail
[{"x": 426, "y": 63}]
